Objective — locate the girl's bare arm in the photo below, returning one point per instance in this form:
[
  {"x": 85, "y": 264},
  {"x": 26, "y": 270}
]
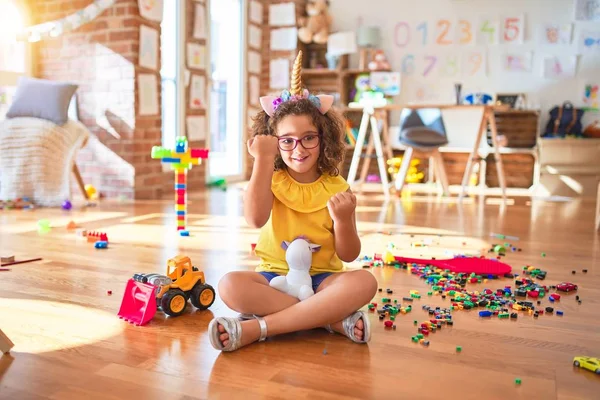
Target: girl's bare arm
[{"x": 258, "y": 199}]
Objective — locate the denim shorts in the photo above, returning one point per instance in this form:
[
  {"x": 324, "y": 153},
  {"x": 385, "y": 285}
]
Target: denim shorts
[{"x": 316, "y": 279}]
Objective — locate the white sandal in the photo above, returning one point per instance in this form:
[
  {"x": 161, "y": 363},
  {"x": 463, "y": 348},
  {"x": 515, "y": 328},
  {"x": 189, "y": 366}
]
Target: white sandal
[
  {"x": 232, "y": 327},
  {"x": 349, "y": 323}
]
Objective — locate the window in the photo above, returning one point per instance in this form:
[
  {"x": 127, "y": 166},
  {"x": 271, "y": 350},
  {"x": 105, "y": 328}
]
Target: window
[
  {"x": 171, "y": 39},
  {"x": 12, "y": 52},
  {"x": 226, "y": 93}
]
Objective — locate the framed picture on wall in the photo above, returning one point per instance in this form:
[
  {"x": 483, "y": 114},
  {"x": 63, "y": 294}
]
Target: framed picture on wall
[{"x": 514, "y": 100}]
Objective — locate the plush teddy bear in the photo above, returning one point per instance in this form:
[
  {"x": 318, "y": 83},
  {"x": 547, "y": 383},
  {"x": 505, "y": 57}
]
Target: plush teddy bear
[
  {"x": 380, "y": 62},
  {"x": 316, "y": 27},
  {"x": 297, "y": 282}
]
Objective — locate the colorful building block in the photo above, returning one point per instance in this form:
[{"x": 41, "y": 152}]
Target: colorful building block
[{"x": 182, "y": 159}]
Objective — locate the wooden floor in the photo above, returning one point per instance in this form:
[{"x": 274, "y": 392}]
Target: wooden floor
[{"x": 70, "y": 344}]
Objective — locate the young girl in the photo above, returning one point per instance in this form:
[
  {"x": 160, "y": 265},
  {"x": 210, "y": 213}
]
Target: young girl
[{"x": 295, "y": 190}]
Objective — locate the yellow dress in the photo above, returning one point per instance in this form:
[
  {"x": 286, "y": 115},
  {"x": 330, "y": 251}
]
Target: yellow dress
[{"x": 300, "y": 209}]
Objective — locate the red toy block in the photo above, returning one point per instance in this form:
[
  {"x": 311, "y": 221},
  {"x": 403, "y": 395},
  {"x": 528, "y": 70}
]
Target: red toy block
[
  {"x": 199, "y": 153},
  {"x": 533, "y": 293},
  {"x": 388, "y": 324},
  {"x": 555, "y": 296}
]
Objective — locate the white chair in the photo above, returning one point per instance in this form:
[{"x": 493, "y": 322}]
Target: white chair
[
  {"x": 422, "y": 129},
  {"x": 37, "y": 159}
]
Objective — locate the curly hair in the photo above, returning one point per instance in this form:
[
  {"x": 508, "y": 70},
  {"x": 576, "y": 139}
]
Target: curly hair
[{"x": 331, "y": 126}]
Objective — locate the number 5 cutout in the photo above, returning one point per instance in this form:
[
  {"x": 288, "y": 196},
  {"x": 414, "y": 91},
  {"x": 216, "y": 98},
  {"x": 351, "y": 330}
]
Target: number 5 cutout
[{"x": 514, "y": 29}]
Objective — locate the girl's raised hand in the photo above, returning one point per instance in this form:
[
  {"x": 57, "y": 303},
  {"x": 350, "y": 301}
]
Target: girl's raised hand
[
  {"x": 341, "y": 206},
  {"x": 263, "y": 146}
]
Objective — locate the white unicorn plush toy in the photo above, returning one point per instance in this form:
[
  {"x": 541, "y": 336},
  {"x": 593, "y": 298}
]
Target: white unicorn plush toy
[{"x": 297, "y": 283}]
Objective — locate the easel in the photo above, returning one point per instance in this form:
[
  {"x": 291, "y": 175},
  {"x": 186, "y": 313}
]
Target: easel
[
  {"x": 369, "y": 117},
  {"x": 375, "y": 142},
  {"x": 487, "y": 118}
]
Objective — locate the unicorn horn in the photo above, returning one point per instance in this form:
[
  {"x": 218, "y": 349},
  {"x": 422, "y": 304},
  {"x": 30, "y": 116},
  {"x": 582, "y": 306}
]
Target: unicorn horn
[{"x": 296, "y": 88}]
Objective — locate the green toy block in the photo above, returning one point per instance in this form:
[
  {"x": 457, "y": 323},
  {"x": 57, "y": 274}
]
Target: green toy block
[{"x": 499, "y": 249}]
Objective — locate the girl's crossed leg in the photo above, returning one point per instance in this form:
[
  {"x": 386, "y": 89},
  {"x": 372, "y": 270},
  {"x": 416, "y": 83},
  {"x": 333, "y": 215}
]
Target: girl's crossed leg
[{"x": 338, "y": 296}]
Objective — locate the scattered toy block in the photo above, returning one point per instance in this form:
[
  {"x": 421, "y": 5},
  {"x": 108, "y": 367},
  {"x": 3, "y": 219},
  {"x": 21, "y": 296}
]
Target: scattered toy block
[
  {"x": 81, "y": 232},
  {"x": 7, "y": 259},
  {"x": 5, "y": 343}
]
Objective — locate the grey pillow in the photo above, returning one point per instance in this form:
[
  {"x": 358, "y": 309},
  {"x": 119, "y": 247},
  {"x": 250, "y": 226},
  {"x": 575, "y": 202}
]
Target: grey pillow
[{"x": 40, "y": 98}]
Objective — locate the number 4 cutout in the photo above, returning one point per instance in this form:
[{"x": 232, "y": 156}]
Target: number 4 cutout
[
  {"x": 488, "y": 31},
  {"x": 513, "y": 29}
]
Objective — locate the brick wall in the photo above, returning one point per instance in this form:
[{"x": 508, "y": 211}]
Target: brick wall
[
  {"x": 102, "y": 57},
  {"x": 266, "y": 55}
]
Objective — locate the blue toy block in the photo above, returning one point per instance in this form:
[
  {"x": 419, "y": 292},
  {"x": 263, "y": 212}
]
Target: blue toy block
[
  {"x": 101, "y": 244},
  {"x": 171, "y": 160},
  {"x": 184, "y": 233},
  {"x": 180, "y": 186},
  {"x": 485, "y": 313}
]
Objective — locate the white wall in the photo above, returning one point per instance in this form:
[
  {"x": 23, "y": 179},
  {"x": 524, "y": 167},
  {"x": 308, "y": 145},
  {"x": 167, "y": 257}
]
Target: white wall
[{"x": 541, "y": 92}]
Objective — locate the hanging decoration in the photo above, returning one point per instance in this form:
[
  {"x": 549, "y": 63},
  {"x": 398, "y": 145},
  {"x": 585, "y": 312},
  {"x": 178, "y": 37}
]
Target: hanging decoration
[{"x": 69, "y": 23}]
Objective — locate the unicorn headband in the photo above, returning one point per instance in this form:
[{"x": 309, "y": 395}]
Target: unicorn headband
[{"x": 270, "y": 103}]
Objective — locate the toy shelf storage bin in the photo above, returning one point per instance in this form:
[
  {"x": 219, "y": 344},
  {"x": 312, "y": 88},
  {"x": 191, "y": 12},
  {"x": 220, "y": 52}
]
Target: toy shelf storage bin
[
  {"x": 569, "y": 167},
  {"x": 519, "y": 127}
]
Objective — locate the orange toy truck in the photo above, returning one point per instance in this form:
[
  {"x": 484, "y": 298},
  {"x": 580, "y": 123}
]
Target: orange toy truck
[{"x": 147, "y": 292}]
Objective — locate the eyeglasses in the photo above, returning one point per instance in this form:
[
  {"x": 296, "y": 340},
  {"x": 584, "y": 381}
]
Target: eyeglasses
[{"x": 308, "y": 142}]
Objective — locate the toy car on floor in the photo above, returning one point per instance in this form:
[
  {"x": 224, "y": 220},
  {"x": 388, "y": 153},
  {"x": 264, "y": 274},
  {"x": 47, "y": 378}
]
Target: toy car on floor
[
  {"x": 145, "y": 293},
  {"x": 589, "y": 363},
  {"x": 566, "y": 287}
]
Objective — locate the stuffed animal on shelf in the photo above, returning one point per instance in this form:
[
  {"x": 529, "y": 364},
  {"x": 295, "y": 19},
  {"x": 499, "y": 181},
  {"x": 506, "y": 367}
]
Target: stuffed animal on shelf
[
  {"x": 380, "y": 62},
  {"x": 592, "y": 130},
  {"x": 316, "y": 26},
  {"x": 297, "y": 283}
]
